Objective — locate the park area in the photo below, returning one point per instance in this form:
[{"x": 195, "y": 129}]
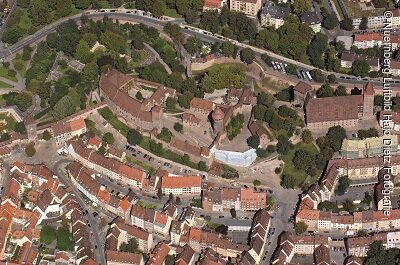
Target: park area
[
  {"x": 60, "y": 235},
  {"x": 292, "y": 175}
]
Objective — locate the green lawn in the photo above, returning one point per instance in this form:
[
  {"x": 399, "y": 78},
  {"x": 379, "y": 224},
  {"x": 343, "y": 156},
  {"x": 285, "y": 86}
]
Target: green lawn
[
  {"x": 146, "y": 204},
  {"x": 75, "y": 97},
  {"x": 141, "y": 164},
  {"x": 10, "y": 126},
  {"x": 25, "y": 22},
  {"x": 274, "y": 85},
  {"x": 289, "y": 168},
  {"x": 107, "y": 114},
  {"x": 64, "y": 241},
  {"x": 218, "y": 66},
  {"x": 171, "y": 13},
  {"x": 19, "y": 60},
  {"x": 4, "y": 73},
  {"x": 4, "y": 85},
  {"x": 2, "y": 100}
]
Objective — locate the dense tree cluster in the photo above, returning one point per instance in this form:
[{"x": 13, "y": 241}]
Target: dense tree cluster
[
  {"x": 378, "y": 255},
  {"x": 235, "y": 126},
  {"x": 329, "y": 144}
]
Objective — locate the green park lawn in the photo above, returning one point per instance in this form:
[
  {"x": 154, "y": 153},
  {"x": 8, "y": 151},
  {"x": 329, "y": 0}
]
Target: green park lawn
[
  {"x": 289, "y": 168},
  {"x": 171, "y": 13},
  {"x": 25, "y": 22},
  {"x": 4, "y": 73},
  {"x": 4, "y": 85}
]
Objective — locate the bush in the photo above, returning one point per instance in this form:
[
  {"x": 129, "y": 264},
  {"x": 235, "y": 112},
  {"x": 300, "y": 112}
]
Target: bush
[
  {"x": 46, "y": 135},
  {"x": 278, "y": 170},
  {"x": 178, "y": 127},
  {"x": 30, "y": 150},
  {"x": 256, "y": 182}
]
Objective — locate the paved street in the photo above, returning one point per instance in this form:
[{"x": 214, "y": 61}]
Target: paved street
[
  {"x": 98, "y": 243},
  {"x": 127, "y": 15}
]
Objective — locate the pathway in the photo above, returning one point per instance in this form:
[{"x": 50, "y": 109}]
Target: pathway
[{"x": 148, "y": 47}]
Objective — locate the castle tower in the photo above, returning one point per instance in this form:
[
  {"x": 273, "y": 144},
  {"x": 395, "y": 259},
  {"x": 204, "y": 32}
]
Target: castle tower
[
  {"x": 218, "y": 120},
  {"x": 368, "y": 100}
]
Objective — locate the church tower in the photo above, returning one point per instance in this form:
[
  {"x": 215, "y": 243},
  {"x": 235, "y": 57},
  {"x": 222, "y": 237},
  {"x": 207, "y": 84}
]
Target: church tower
[{"x": 368, "y": 101}]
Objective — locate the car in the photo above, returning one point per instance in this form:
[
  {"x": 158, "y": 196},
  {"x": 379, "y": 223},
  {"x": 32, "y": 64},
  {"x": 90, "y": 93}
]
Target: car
[
  {"x": 154, "y": 197},
  {"x": 95, "y": 214},
  {"x": 269, "y": 243},
  {"x": 145, "y": 156},
  {"x": 221, "y": 216},
  {"x": 95, "y": 247}
]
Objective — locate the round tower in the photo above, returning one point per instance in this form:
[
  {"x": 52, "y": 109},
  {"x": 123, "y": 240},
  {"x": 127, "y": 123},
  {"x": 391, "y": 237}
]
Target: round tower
[{"x": 218, "y": 120}]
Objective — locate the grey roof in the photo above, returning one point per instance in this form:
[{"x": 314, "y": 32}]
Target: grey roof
[
  {"x": 310, "y": 18},
  {"x": 351, "y": 57},
  {"x": 270, "y": 8}
]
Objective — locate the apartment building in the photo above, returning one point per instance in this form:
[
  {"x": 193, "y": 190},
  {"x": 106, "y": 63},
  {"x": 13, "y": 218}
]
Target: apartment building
[
  {"x": 64, "y": 130},
  {"x": 224, "y": 199},
  {"x": 313, "y": 20},
  {"x": 248, "y": 7},
  {"x": 272, "y": 15},
  {"x": 368, "y": 147},
  {"x": 378, "y": 22},
  {"x": 181, "y": 185},
  {"x": 348, "y": 58},
  {"x": 369, "y": 40}
]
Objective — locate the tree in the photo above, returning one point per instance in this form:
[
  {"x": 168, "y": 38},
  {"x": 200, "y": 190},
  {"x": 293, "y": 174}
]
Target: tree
[
  {"x": 39, "y": 11},
  {"x": 335, "y": 136},
  {"x": 340, "y": 91},
  {"x": 185, "y": 159},
  {"x": 233, "y": 212},
  {"x": 22, "y": 100},
  {"x": 363, "y": 23},
  {"x": 331, "y": 78},
  {"x": 63, "y": 7},
  {"x": 288, "y": 182},
  {"x": 191, "y": 16},
  {"x": 30, "y": 150},
  {"x": 20, "y": 127},
  {"x": 63, "y": 108},
  {"x": 247, "y": 55},
  {"x": 301, "y": 6},
  {"x": 82, "y": 52},
  {"x": 178, "y": 127},
  {"x": 253, "y": 141},
  {"x": 317, "y": 75},
  {"x": 265, "y": 99},
  {"x": 349, "y": 206},
  {"x": 171, "y": 103},
  {"x": 256, "y": 182},
  {"x": 361, "y": 68},
  {"x": 134, "y": 137},
  {"x": 303, "y": 160},
  {"x": 184, "y": 99},
  {"x": 139, "y": 96},
  {"x": 222, "y": 229},
  {"x": 330, "y": 21},
  {"x": 267, "y": 59},
  {"x": 114, "y": 41},
  {"x": 159, "y": 193},
  {"x": 325, "y": 91},
  {"x": 137, "y": 43},
  {"x": 165, "y": 135},
  {"x": 193, "y": 45},
  {"x": 300, "y": 228},
  {"x": 46, "y": 135},
  {"x": 82, "y": 4},
  {"x": 228, "y": 48},
  {"x": 131, "y": 246},
  {"x": 344, "y": 184},
  {"x": 202, "y": 166},
  {"x": 306, "y": 136},
  {"x": 108, "y": 138},
  {"x": 182, "y": 6},
  {"x": 347, "y": 24}
]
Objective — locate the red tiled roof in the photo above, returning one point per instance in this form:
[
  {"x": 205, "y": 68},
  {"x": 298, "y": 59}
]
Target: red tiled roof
[
  {"x": 174, "y": 182},
  {"x": 213, "y": 3}
]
